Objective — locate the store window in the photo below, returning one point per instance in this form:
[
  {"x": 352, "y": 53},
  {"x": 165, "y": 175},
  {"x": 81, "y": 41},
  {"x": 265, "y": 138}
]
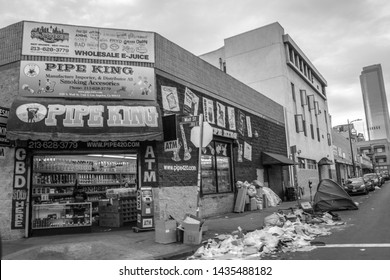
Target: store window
[
  {"x": 216, "y": 168},
  {"x": 68, "y": 190}
]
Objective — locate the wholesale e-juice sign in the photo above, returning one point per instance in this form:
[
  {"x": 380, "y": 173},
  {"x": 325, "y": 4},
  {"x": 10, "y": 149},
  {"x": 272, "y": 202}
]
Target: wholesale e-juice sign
[{"x": 19, "y": 193}]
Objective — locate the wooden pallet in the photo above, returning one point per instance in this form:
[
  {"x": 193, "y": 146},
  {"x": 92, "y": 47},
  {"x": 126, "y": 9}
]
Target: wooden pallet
[{"x": 137, "y": 229}]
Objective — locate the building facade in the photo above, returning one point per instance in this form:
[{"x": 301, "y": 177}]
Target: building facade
[
  {"x": 269, "y": 61},
  {"x": 115, "y": 112}
]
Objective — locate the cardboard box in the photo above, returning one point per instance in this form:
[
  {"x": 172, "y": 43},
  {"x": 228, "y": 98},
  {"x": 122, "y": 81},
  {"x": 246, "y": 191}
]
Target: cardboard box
[
  {"x": 193, "y": 228},
  {"x": 253, "y": 205},
  {"x": 109, "y": 206},
  {"x": 192, "y": 236},
  {"x": 110, "y": 220},
  {"x": 165, "y": 231}
]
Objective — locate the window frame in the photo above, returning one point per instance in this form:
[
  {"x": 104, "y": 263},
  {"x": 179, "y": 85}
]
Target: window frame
[{"x": 215, "y": 170}]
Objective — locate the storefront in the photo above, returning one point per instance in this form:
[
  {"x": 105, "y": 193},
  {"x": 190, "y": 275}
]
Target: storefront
[{"x": 98, "y": 145}]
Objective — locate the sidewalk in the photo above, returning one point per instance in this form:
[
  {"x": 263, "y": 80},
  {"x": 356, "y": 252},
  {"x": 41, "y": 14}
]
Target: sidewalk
[{"x": 124, "y": 244}]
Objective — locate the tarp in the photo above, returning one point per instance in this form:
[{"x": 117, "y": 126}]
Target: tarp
[
  {"x": 330, "y": 196},
  {"x": 60, "y": 119},
  {"x": 276, "y": 159}
]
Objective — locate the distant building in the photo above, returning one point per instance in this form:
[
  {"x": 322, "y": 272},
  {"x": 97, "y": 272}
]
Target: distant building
[
  {"x": 377, "y": 118},
  {"x": 375, "y": 102},
  {"x": 269, "y": 61}
]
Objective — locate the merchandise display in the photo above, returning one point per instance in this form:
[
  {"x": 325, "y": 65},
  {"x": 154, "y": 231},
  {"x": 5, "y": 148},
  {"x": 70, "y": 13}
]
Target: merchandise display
[
  {"x": 100, "y": 177},
  {"x": 61, "y": 215}
]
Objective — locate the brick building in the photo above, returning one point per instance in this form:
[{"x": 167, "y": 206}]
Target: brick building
[{"x": 106, "y": 107}]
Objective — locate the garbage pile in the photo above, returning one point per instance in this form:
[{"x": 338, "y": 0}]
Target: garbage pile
[
  {"x": 254, "y": 196},
  {"x": 282, "y": 232}
]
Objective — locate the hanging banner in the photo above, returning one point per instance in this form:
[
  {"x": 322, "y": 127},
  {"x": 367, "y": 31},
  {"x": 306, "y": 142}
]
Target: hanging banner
[
  {"x": 149, "y": 165},
  {"x": 19, "y": 193},
  {"x": 86, "y": 80},
  {"x": 49, "y": 39}
]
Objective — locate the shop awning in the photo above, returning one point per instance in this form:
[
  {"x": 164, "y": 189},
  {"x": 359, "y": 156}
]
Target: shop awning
[
  {"x": 84, "y": 120},
  {"x": 276, "y": 159},
  {"x": 325, "y": 161}
]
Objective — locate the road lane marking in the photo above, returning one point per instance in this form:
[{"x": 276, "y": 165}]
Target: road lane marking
[{"x": 379, "y": 245}]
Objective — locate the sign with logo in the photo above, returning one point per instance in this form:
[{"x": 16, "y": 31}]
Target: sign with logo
[
  {"x": 86, "y": 80},
  {"x": 75, "y": 120},
  {"x": 49, "y": 39},
  {"x": 170, "y": 146}
]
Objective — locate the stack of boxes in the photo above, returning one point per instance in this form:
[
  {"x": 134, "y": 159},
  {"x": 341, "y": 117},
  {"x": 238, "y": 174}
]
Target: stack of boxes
[
  {"x": 117, "y": 212},
  {"x": 128, "y": 209},
  {"x": 109, "y": 214}
]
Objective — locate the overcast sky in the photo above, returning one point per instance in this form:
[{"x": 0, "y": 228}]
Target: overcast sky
[{"x": 340, "y": 37}]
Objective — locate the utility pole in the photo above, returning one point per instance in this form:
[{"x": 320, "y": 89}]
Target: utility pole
[{"x": 350, "y": 143}]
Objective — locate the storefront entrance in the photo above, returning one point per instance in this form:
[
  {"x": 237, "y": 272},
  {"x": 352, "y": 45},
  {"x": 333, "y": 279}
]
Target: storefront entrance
[{"x": 83, "y": 192}]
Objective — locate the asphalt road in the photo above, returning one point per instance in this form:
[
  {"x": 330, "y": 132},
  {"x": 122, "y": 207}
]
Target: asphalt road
[{"x": 366, "y": 235}]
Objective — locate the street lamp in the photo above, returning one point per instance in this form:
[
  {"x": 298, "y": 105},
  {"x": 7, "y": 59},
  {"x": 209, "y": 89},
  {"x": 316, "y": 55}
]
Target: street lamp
[{"x": 350, "y": 143}]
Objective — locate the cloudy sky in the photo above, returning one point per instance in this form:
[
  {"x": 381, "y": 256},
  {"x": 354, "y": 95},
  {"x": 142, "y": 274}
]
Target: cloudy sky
[{"x": 340, "y": 37}]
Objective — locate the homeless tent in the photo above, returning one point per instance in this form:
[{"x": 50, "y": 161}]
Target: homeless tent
[{"x": 330, "y": 196}]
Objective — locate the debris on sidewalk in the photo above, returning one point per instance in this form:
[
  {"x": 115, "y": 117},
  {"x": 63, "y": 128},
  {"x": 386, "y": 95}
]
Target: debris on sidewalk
[
  {"x": 282, "y": 232},
  {"x": 254, "y": 196}
]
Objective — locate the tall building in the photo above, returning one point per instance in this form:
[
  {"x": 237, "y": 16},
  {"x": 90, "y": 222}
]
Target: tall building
[
  {"x": 377, "y": 118},
  {"x": 269, "y": 61},
  {"x": 375, "y": 102}
]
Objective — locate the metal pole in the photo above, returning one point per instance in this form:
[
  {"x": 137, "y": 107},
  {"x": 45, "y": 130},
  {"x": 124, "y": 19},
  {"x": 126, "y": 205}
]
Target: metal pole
[
  {"x": 199, "y": 184},
  {"x": 350, "y": 143}
]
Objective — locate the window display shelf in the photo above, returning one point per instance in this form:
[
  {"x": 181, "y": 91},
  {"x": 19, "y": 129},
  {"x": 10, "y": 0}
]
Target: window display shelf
[
  {"x": 66, "y": 215},
  {"x": 82, "y": 172},
  {"x": 72, "y": 185}
]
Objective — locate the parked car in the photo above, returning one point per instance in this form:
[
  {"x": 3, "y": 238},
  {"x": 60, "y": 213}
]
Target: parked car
[
  {"x": 357, "y": 186},
  {"x": 375, "y": 179},
  {"x": 381, "y": 179},
  {"x": 369, "y": 184},
  {"x": 386, "y": 176}
]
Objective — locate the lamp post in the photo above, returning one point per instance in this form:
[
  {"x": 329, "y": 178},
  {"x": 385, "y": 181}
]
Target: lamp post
[{"x": 350, "y": 143}]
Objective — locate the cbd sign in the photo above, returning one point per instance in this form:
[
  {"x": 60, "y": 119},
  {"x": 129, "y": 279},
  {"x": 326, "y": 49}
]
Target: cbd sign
[{"x": 19, "y": 195}]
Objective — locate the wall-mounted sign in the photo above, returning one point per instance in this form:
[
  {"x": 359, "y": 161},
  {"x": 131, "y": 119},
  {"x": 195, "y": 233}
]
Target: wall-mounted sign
[
  {"x": 4, "y": 113},
  {"x": 49, "y": 39},
  {"x": 86, "y": 80},
  {"x": 170, "y": 99},
  {"x": 79, "y": 120},
  {"x": 19, "y": 195},
  {"x": 2, "y": 152}
]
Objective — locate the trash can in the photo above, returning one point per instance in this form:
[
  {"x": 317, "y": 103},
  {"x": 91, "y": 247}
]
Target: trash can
[{"x": 291, "y": 194}]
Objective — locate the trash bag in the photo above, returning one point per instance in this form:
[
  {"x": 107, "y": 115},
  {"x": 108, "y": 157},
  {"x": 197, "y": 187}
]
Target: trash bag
[{"x": 274, "y": 219}]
